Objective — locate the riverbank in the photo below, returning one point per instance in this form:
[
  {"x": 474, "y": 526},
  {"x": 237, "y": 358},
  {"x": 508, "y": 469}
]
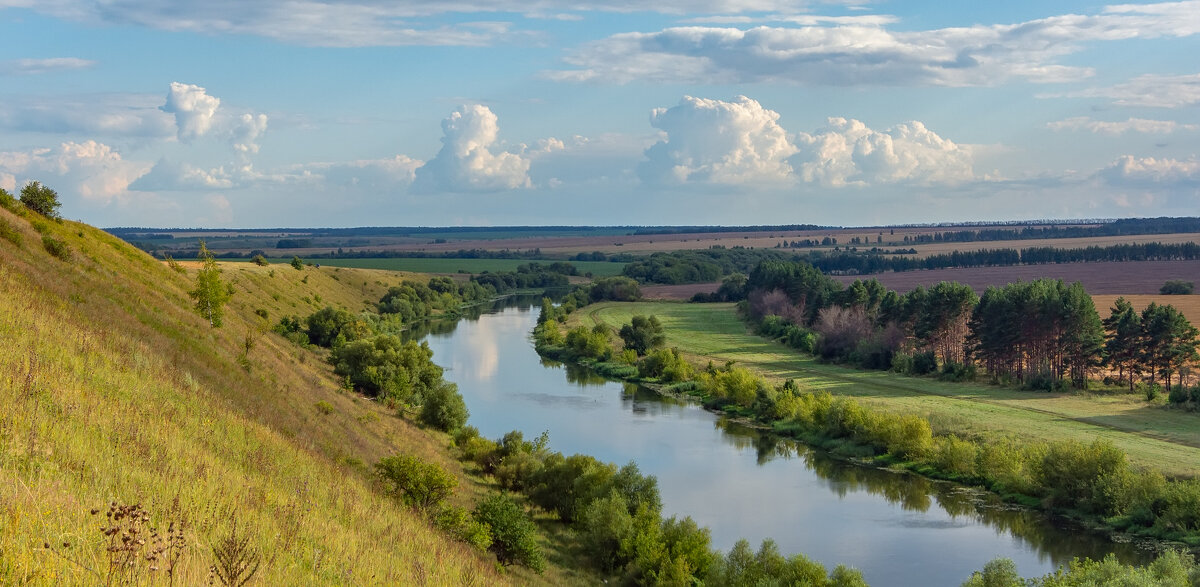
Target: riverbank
[{"x": 1072, "y": 473}]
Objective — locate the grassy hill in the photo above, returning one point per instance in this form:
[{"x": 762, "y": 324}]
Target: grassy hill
[{"x": 114, "y": 391}]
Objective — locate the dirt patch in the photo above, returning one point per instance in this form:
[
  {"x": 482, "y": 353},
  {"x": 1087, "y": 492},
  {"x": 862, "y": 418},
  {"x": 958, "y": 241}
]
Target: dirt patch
[
  {"x": 678, "y": 292},
  {"x": 1131, "y": 277}
]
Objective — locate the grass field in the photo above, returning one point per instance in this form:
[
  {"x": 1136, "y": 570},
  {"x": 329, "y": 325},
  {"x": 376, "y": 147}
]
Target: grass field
[
  {"x": 1125, "y": 277},
  {"x": 420, "y": 265},
  {"x": 1152, "y": 436}
]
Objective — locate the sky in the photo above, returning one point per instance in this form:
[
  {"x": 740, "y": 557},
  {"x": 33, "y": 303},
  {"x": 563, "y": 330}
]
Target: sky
[{"x": 312, "y": 113}]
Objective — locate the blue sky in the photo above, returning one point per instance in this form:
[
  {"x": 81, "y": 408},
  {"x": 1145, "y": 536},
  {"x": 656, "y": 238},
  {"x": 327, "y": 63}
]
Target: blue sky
[{"x": 410, "y": 112}]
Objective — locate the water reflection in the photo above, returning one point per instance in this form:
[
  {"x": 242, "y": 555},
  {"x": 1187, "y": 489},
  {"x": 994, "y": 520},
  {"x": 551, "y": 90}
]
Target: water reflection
[{"x": 898, "y": 528}]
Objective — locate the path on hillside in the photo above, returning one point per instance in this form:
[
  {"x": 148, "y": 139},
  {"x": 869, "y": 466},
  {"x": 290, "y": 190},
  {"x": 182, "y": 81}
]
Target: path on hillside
[{"x": 1168, "y": 440}]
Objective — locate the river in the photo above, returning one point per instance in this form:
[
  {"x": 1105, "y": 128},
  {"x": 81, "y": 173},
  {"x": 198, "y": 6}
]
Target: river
[{"x": 897, "y": 528}]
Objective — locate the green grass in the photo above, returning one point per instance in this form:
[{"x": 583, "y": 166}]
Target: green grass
[
  {"x": 1152, "y": 436},
  {"x": 427, "y": 265}
]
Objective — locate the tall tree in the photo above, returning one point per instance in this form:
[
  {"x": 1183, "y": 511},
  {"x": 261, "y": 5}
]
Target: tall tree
[
  {"x": 1082, "y": 335},
  {"x": 40, "y": 199},
  {"x": 1124, "y": 344},
  {"x": 211, "y": 292}
]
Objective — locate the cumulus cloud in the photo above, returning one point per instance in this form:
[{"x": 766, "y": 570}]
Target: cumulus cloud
[
  {"x": 466, "y": 161},
  {"x": 246, "y": 132},
  {"x": 865, "y": 53},
  {"x": 847, "y": 152},
  {"x": 1133, "y": 125},
  {"x": 1156, "y": 91},
  {"x": 1150, "y": 171},
  {"x": 193, "y": 108},
  {"x": 36, "y": 66},
  {"x": 720, "y": 142},
  {"x": 95, "y": 171}
]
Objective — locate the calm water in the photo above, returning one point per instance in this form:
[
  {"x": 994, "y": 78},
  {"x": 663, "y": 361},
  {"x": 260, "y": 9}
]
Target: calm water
[{"x": 898, "y": 529}]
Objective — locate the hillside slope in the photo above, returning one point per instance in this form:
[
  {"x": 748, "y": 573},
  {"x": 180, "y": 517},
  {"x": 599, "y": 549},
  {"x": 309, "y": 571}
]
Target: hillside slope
[{"x": 113, "y": 391}]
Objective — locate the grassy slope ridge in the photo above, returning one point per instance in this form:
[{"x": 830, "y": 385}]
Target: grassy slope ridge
[
  {"x": 113, "y": 389},
  {"x": 1168, "y": 440}
]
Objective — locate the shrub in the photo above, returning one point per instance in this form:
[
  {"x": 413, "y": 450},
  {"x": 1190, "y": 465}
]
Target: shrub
[
  {"x": 418, "y": 484},
  {"x": 297, "y": 263},
  {"x": 9, "y": 233},
  {"x": 666, "y": 365},
  {"x": 514, "y": 537},
  {"x": 260, "y": 260},
  {"x": 642, "y": 334},
  {"x": 444, "y": 408},
  {"x": 387, "y": 367},
  {"x": 56, "y": 247},
  {"x": 40, "y": 199},
  {"x": 955, "y": 455},
  {"x": 459, "y": 523},
  {"x": 324, "y": 407},
  {"x": 8, "y": 202},
  {"x": 1178, "y": 287}
]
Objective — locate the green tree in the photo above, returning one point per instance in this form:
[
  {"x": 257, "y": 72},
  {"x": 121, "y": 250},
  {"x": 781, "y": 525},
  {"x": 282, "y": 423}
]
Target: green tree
[
  {"x": 388, "y": 367},
  {"x": 1177, "y": 287},
  {"x": 297, "y": 263},
  {"x": 418, "y": 484},
  {"x": 444, "y": 408},
  {"x": 40, "y": 199},
  {"x": 643, "y": 334},
  {"x": 1124, "y": 343},
  {"x": 514, "y": 537},
  {"x": 211, "y": 292}
]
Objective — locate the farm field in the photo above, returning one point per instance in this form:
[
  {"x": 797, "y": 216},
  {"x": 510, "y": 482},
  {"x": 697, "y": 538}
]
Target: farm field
[
  {"x": 1189, "y": 306},
  {"x": 1152, "y": 436},
  {"x": 1125, "y": 277},
  {"x": 422, "y": 265}
]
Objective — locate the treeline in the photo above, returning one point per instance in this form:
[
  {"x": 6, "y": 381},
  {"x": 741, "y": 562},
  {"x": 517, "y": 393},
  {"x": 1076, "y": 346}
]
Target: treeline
[
  {"x": 853, "y": 263},
  {"x": 1122, "y": 227},
  {"x": 711, "y": 264},
  {"x": 1094, "y": 479},
  {"x": 1042, "y": 334},
  {"x": 754, "y": 228}
]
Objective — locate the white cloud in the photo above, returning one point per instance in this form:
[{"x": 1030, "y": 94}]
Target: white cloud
[
  {"x": 169, "y": 176},
  {"x": 193, "y": 108},
  {"x": 95, "y": 171},
  {"x": 864, "y": 52},
  {"x": 36, "y": 66},
  {"x": 1130, "y": 170},
  {"x": 720, "y": 142},
  {"x": 373, "y": 174},
  {"x": 107, "y": 115},
  {"x": 246, "y": 132},
  {"x": 847, "y": 152},
  {"x": 1157, "y": 91},
  {"x": 1134, "y": 125},
  {"x": 466, "y": 161}
]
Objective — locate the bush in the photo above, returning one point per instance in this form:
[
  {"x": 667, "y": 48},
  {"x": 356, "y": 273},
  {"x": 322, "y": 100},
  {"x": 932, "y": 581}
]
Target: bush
[
  {"x": 8, "y": 202},
  {"x": 444, "y": 408},
  {"x": 387, "y": 367},
  {"x": 665, "y": 365},
  {"x": 260, "y": 260},
  {"x": 1177, "y": 287},
  {"x": 297, "y": 263},
  {"x": 418, "y": 484},
  {"x": 514, "y": 537},
  {"x": 459, "y": 523},
  {"x": 9, "y": 233},
  {"x": 924, "y": 363},
  {"x": 56, "y": 247},
  {"x": 40, "y": 199}
]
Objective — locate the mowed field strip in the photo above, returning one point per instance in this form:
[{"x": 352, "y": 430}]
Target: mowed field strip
[{"x": 1152, "y": 436}]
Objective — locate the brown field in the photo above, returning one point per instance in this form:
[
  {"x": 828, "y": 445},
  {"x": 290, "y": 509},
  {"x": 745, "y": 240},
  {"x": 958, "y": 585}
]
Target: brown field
[
  {"x": 678, "y": 292},
  {"x": 1130, "y": 277},
  {"x": 1189, "y": 306}
]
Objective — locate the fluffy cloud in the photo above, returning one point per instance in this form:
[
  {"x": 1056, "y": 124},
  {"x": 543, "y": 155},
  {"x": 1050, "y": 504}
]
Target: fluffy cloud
[
  {"x": 246, "y": 132},
  {"x": 864, "y": 54},
  {"x": 193, "y": 108},
  {"x": 169, "y": 176},
  {"x": 93, "y": 170},
  {"x": 466, "y": 161},
  {"x": 1156, "y": 91},
  {"x": 847, "y": 152},
  {"x": 35, "y": 66},
  {"x": 1149, "y": 171},
  {"x": 719, "y": 142},
  {"x": 1135, "y": 125}
]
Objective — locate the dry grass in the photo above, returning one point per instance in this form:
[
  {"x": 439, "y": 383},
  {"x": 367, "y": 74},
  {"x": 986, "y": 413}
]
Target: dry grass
[
  {"x": 1189, "y": 306},
  {"x": 113, "y": 390}
]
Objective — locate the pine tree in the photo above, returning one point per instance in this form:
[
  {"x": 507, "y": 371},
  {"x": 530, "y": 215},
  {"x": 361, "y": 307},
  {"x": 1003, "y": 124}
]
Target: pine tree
[
  {"x": 211, "y": 293},
  {"x": 1124, "y": 344}
]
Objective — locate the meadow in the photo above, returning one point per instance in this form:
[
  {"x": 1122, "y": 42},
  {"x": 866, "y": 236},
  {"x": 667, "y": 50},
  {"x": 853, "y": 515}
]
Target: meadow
[{"x": 1152, "y": 435}]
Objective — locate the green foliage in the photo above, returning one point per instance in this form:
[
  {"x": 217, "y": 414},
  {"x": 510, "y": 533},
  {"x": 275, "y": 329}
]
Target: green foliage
[
  {"x": 617, "y": 289},
  {"x": 9, "y": 232},
  {"x": 1001, "y": 572},
  {"x": 768, "y": 567},
  {"x": 514, "y": 537},
  {"x": 418, "y": 484},
  {"x": 642, "y": 334},
  {"x": 211, "y": 293},
  {"x": 591, "y": 344},
  {"x": 389, "y": 368},
  {"x": 1074, "y": 473},
  {"x": 459, "y": 523},
  {"x": 1177, "y": 287},
  {"x": 443, "y": 408},
  {"x": 1171, "y": 569},
  {"x": 56, "y": 247},
  {"x": 666, "y": 365},
  {"x": 297, "y": 263},
  {"x": 40, "y": 199},
  {"x": 324, "y": 407},
  {"x": 329, "y": 327},
  {"x": 260, "y": 260},
  {"x": 8, "y": 202}
]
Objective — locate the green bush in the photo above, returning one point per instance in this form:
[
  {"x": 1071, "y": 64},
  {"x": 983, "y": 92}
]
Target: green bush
[
  {"x": 514, "y": 537},
  {"x": 443, "y": 408},
  {"x": 9, "y": 232},
  {"x": 459, "y": 523},
  {"x": 40, "y": 199},
  {"x": 56, "y": 247},
  {"x": 260, "y": 260},
  {"x": 1177, "y": 287},
  {"x": 389, "y": 368},
  {"x": 418, "y": 484},
  {"x": 8, "y": 202}
]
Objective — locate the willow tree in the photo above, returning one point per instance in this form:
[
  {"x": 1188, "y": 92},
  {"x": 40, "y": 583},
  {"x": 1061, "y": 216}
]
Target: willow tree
[{"x": 211, "y": 293}]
